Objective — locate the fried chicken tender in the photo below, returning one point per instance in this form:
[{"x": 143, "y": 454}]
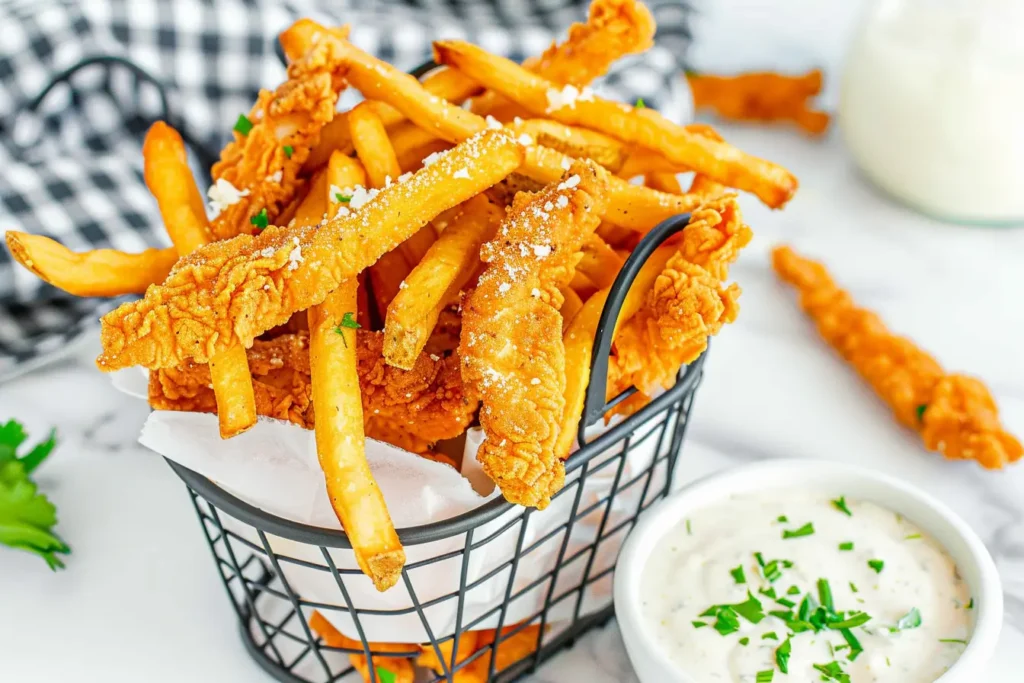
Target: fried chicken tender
[
  {"x": 232, "y": 291},
  {"x": 411, "y": 409},
  {"x": 511, "y": 347},
  {"x": 262, "y": 163},
  {"x": 688, "y": 303},
  {"x": 763, "y": 97},
  {"x": 954, "y": 414}
]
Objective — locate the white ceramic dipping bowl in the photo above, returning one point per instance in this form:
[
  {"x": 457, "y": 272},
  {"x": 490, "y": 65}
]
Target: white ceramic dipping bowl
[{"x": 933, "y": 517}]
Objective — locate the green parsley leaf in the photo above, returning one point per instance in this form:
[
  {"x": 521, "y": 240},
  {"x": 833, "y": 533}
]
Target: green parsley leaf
[
  {"x": 339, "y": 197},
  {"x": 851, "y": 620},
  {"x": 805, "y": 530},
  {"x": 825, "y": 595},
  {"x": 920, "y": 411},
  {"x": 640, "y": 104},
  {"x": 848, "y": 545},
  {"x": 952, "y": 640},
  {"x": 855, "y": 646},
  {"x": 765, "y": 676},
  {"x": 750, "y": 609},
  {"x": 699, "y": 624},
  {"x": 737, "y": 575},
  {"x": 877, "y": 565},
  {"x": 243, "y": 125},
  {"x": 288, "y": 151},
  {"x": 27, "y": 518},
  {"x": 260, "y": 220},
  {"x": 385, "y": 676},
  {"x": 911, "y": 619},
  {"x": 727, "y": 616},
  {"x": 853, "y": 587},
  {"x": 793, "y": 590},
  {"x": 770, "y": 635},
  {"x": 12, "y": 436},
  {"x": 782, "y": 653},
  {"x": 832, "y": 672},
  {"x": 744, "y": 641},
  {"x": 782, "y": 519},
  {"x": 348, "y": 320},
  {"x": 840, "y": 504}
]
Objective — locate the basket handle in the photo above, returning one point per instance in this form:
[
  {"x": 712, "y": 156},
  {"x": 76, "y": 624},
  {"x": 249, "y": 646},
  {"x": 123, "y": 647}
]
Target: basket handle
[{"x": 595, "y": 406}]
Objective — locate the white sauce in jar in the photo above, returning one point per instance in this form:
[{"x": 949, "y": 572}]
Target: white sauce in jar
[{"x": 698, "y": 564}]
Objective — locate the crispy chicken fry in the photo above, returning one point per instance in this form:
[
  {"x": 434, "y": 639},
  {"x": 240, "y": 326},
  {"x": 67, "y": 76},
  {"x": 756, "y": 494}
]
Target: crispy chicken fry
[
  {"x": 231, "y": 292},
  {"x": 762, "y": 97},
  {"x": 170, "y": 181},
  {"x": 954, "y": 414},
  {"x": 446, "y": 268},
  {"x": 98, "y": 272},
  {"x": 576, "y": 142},
  {"x": 512, "y": 333},
  {"x": 719, "y": 161}
]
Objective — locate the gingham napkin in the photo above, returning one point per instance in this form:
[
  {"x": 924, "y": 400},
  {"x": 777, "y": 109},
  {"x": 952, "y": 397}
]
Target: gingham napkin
[{"x": 70, "y": 161}]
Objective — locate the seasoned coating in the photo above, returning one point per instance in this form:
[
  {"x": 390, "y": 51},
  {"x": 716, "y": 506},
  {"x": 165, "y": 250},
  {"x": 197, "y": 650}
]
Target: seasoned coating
[
  {"x": 411, "y": 409},
  {"x": 232, "y": 291},
  {"x": 512, "y": 349},
  {"x": 954, "y": 414}
]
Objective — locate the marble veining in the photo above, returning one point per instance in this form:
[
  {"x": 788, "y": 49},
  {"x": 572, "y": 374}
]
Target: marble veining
[{"x": 140, "y": 599}]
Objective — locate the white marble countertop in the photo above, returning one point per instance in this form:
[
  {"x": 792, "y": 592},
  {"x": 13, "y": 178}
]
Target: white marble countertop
[{"x": 140, "y": 600}]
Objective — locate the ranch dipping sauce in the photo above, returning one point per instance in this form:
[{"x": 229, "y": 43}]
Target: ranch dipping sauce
[{"x": 794, "y": 587}]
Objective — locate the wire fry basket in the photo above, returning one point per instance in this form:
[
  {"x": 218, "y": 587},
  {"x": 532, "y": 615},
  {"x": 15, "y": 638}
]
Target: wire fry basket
[{"x": 604, "y": 495}]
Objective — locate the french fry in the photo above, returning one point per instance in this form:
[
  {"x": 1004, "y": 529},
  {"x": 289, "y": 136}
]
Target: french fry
[
  {"x": 340, "y": 444},
  {"x": 313, "y": 206},
  {"x": 98, "y": 272},
  {"x": 600, "y": 264},
  {"x": 300, "y": 37},
  {"x": 579, "y": 343},
  {"x": 663, "y": 182},
  {"x": 167, "y": 175},
  {"x": 467, "y": 646},
  {"x": 444, "y": 270},
  {"x": 615, "y": 235},
  {"x": 717, "y": 160},
  {"x": 571, "y": 305},
  {"x": 582, "y": 285},
  {"x": 510, "y": 650},
  {"x": 575, "y": 142},
  {"x": 342, "y": 171}
]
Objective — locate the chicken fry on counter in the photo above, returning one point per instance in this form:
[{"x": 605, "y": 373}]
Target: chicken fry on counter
[
  {"x": 764, "y": 97},
  {"x": 512, "y": 350},
  {"x": 954, "y": 414}
]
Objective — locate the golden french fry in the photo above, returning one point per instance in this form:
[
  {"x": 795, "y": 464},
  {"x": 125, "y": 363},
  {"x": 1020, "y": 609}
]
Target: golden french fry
[
  {"x": 663, "y": 182},
  {"x": 582, "y": 285},
  {"x": 300, "y": 37},
  {"x": 447, "y": 266},
  {"x": 467, "y": 646},
  {"x": 170, "y": 181},
  {"x": 579, "y": 343},
  {"x": 600, "y": 264},
  {"x": 571, "y": 305},
  {"x": 340, "y": 444},
  {"x": 615, "y": 235},
  {"x": 98, "y": 272},
  {"x": 575, "y": 142},
  {"x": 717, "y": 160},
  {"x": 313, "y": 206},
  {"x": 705, "y": 186},
  {"x": 342, "y": 171},
  {"x": 412, "y": 159}
]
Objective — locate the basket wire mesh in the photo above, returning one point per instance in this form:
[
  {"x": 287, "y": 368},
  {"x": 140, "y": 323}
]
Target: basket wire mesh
[{"x": 572, "y": 594}]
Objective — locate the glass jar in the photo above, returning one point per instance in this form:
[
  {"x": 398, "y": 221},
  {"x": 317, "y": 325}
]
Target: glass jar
[{"x": 932, "y": 106}]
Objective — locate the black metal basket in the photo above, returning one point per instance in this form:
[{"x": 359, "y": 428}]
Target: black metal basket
[
  {"x": 572, "y": 595},
  {"x": 610, "y": 481}
]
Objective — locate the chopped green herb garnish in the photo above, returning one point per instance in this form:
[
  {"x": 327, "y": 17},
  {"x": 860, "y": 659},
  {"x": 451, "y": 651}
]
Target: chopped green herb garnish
[
  {"x": 737, "y": 574},
  {"x": 769, "y": 592},
  {"x": 727, "y": 621},
  {"x": 385, "y": 676},
  {"x": 782, "y": 519},
  {"x": 243, "y": 125},
  {"x": 760, "y": 559},
  {"x": 805, "y": 530},
  {"x": 744, "y": 641},
  {"x": 852, "y": 620},
  {"x": 699, "y": 624},
  {"x": 877, "y": 565},
  {"x": 807, "y": 605},
  {"x": 640, "y": 104},
  {"x": 920, "y": 411},
  {"x": 846, "y": 546},
  {"x": 288, "y": 151},
  {"x": 770, "y": 635},
  {"x": 348, "y": 320},
  {"x": 825, "y": 595},
  {"x": 260, "y": 220},
  {"x": 887, "y": 662},
  {"x": 970, "y": 604},
  {"x": 840, "y": 504},
  {"x": 727, "y": 616},
  {"x": 952, "y": 640},
  {"x": 911, "y": 537},
  {"x": 765, "y": 676},
  {"x": 782, "y": 653},
  {"x": 793, "y": 590},
  {"x": 689, "y": 531},
  {"x": 750, "y": 609},
  {"x": 785, "y": 603},
  {"x": 832, "y": 671},
  {"x": 911, "y": 619},
  {"x": 344, "y": 199},
  {"x": 855, "y": 646},
  {"x": 853, "y": 587}
]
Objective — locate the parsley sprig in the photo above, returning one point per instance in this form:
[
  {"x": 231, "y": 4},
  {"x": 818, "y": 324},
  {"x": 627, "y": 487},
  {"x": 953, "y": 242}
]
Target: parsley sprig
[
  {"x": 27, "y": 517},
  {"x": 348, "y": 322}
]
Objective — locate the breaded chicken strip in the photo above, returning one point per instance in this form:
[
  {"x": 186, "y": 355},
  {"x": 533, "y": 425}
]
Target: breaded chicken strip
[
  {"x": 411, "y": 409},
  {"x": 230, "y": 292},
  {"x": 954, "y": 414},
  {"x": 512, "y": 351}
]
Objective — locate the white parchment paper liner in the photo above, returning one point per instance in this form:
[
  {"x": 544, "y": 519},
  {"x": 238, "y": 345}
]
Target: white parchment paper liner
[{"x": 274, "y": 467}]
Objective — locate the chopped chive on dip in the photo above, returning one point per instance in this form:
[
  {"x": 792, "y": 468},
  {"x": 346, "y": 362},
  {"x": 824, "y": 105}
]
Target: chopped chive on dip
[
  {"x": 770, "y": 635},
  {"x": 793, "y": 590},
  {"x": 853, "y": 587},
  {"x": 765, "y": 676},
  {"x": 877, "y": 565},
  {"x": 737, "y": 574},
  {"x": 848, "y": 545},
  {"x": 805, "y": 530},
  {"x": 911, "y": 619},
  {"x": 260, "y": 220},
  {"x": 832, "y": 671},
  {"x": 953, "y": 640},
  {"x": 744, "y": 641},
  {"x": 912, "y": 537},
  {"x": 699, "y": 624},
  {"x": 782, "y": 519},
  {"x": 840, "y": 504},
  {"x": 288, "y": 151},
  {"x": 782, "y": 653},
  {"x": 243, "y": 125}
]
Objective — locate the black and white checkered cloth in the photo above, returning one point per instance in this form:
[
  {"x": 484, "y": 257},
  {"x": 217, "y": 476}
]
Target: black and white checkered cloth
[{"x": 71, "y": 155}]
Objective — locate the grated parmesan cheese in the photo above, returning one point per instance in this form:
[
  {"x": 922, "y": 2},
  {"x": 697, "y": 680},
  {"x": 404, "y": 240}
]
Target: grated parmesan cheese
[
  {"x": 223, "y": 194},
  {"x": 493, "y": 123},
  {"x": 563, "y": 201},
  {"x": 569, "y": 183},
  {"x": 461, "y": 173},
  {"x": 275, "y": 177},
  {"x": 295, "y": 256},
  {"x": 566, "y": 163},
  {"x": 268, "y": 252},
  {"x": 548, "y": 206},
  {"x": 524, "y": 140},
  {"x": 504, "y": 287},
  {"x": 432, "y": 158},
  {"x": 535, "y": 293},
  {"x": 568, "y": 96},
  {"x": 542, "y": 250}
]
